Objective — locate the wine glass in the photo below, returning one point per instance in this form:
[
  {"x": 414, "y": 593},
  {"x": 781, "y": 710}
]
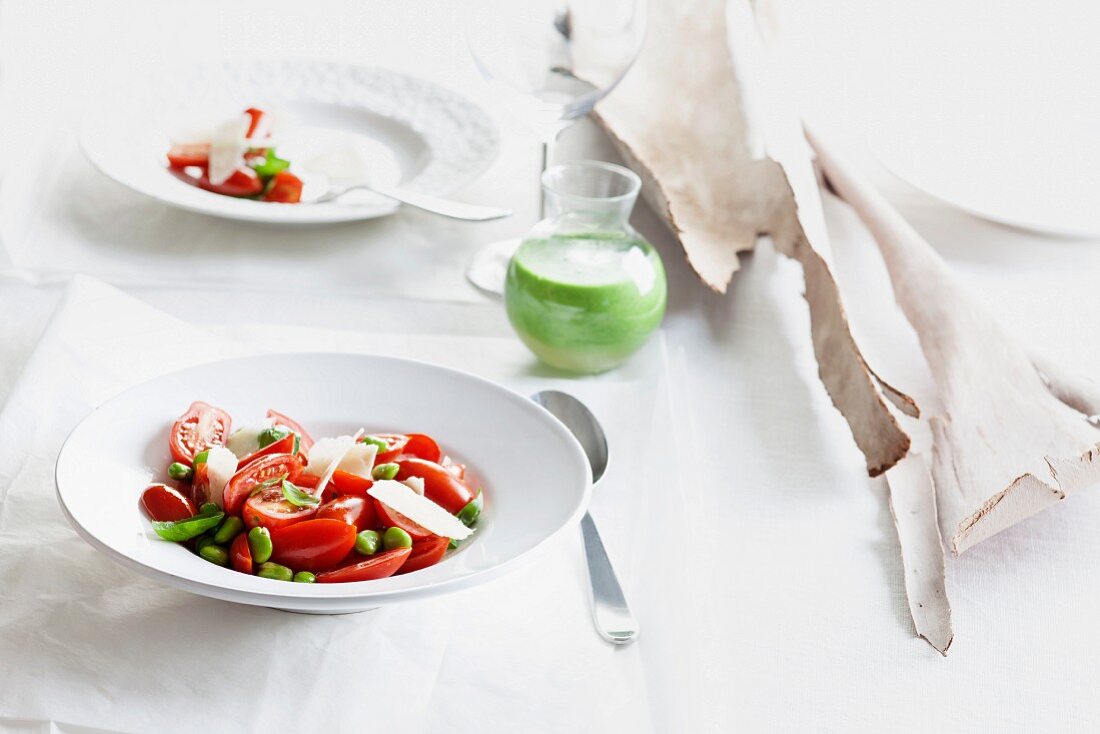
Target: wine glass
[{"x": 550, "y": 62}]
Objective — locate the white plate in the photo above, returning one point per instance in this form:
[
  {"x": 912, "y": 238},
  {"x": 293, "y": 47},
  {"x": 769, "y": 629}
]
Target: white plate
[
  {"x": 535, "y": 475},
  {"x": 416, "y": 134},
  {"x": 1036, "y": 171}
]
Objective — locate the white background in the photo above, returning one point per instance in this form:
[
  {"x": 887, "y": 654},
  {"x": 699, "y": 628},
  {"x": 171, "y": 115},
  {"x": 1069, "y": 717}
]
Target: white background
[{"x": 798, "y": 598}]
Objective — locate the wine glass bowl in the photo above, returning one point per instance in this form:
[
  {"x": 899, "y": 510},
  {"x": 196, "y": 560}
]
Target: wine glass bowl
[{"x": 551, "y": 61}]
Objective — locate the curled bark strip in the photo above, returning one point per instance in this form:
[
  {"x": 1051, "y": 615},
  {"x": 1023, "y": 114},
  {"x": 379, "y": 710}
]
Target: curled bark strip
[
  {"x": 733, "y": 164},
  {"x": 1012, "y": 440},
  {"x": 913, "y": 507}
]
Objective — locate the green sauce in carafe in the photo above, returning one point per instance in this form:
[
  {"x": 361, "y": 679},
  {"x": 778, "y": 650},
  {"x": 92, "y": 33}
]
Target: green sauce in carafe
[{"x": 586, "y": 301}]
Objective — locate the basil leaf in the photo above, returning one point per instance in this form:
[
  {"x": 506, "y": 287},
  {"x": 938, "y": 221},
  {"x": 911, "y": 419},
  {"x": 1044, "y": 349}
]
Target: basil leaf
[
  {"x": 469, "y": 514},
  {"x": 200, "y": 458},
  {"x": 189, "y": 528},
  {"x": 271, "y": 165},
  {"x": 267, "y": 484},
  {"x": 269, "y": 436},
  {"x": 297, "y": 497}
]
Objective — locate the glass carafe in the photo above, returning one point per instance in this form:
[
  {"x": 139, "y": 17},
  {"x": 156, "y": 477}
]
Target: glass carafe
[{"x": 584, "y": 290}]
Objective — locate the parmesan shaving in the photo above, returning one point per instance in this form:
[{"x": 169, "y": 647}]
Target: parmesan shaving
[{"x": 420, "y": 510}]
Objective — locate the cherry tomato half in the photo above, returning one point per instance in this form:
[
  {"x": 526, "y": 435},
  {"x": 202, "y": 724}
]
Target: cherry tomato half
[
  {"x": 271, "y": 510},
  {"x": 293, "y": 425},
  {"x": 440, "y": 485},
  {"x": 427, "y": 552},
  {"x": 416, "y": 445},
  {"x": 376, "y": 567},
  {"x": 391, "y": 518},
  {"x": 201, "y": 427},
  {"x": 240, "y": 555},
  {"x": 242, "y": 483},
  {"x": 284, "y": 445},
  {"x": 285, "y": 188},
  {"x": 182, "y": 156},
  {"x": 355, "y": 511},
  {"x": 313, "y": 545},
  {"x": 346, "y": 483},
  {"x": 165, "y": 504}
]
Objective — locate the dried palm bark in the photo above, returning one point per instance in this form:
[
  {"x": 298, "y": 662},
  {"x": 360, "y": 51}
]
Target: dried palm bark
[
  {"x": 1013, "y": 438},
  {"x": 723, "y": 164}
]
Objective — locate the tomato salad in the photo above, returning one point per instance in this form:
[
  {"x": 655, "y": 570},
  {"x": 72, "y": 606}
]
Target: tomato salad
[
  {"x": 237, "y": 158},
  {"x": 269, "y": 500}
]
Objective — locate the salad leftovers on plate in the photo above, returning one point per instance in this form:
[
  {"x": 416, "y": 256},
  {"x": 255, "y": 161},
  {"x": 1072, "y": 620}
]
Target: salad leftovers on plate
[{"x": 236, "y": 158}]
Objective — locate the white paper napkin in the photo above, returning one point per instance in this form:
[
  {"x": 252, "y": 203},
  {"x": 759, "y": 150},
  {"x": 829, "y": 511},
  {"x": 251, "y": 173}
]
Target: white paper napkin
[{"x": 86, "y": 642}]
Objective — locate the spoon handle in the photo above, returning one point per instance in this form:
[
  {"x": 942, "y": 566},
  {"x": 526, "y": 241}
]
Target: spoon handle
[
  {"x": 444, "y": 207},
  {"x": 613, "y": 619}
]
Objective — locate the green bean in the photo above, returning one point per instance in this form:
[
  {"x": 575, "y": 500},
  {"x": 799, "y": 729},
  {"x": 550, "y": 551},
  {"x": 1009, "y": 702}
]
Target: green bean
[
  {"x": 275, "y": 571},
  {"x": 180, "y": 471},
  {"x": 215, "y": 554},
  {"x": 367, "y": 542},
  {"x": 469, "y": 514},
  {"x": 385, "y": 471},
  {"x": 375, "y": 441},
  {"x": 304, "y": 577},
  {"x": 396, "y": 538},
  {"x": 209, "y": 508},
  {"x": 229, "y": 529},
  {"x": 204, "y": 540},
  {"x": 259, "y": 544}
]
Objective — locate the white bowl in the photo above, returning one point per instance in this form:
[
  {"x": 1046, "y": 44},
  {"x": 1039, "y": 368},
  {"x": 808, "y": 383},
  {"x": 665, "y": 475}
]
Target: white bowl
[{"x": 535, "y": 476}]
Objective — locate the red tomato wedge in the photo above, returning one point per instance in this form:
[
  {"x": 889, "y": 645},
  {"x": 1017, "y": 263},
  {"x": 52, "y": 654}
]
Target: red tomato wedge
[
  {"x": 313, "y": 545},
  {"x": 416, "y": 445},
  {"x": 427, "y": 552},
  {"x": 282, "y": 420},
  {"x": 376, "y": 567},
  {"x": 346, "y": 483},
  {"x": 243, "y": 182},
  {"x": 201, "y": 427},
  {"x": 242, "y": 483},
  {"x": 271, "y": 510},
  {"x": 240, "y": 555},
  {"x": 391, "y": 518},
  {"x": 164, "y": 504},
  {"x": 284, "y": 445},
  {"x": 440, "y": 486},
  {"x": 285, "y": 188},
  {"x": 355, "y": 511},
  {"x": 423, "y": 447},
  {"x": 182, "y": 156}
]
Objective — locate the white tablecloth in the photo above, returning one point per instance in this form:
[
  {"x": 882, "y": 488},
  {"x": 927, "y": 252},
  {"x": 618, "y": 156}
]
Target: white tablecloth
[
  {"x": 795, "y": 600},
  {"x": 86, "y": 642}
]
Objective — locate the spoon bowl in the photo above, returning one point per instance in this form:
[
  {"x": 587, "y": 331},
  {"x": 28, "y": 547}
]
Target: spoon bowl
[{"x": 579, "y": 420}]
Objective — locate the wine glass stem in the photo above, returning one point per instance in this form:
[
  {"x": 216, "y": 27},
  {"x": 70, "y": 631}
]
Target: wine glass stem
[{"x": 547, "y": 154}]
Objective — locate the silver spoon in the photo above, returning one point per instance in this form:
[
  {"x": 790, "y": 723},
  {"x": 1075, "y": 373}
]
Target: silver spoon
[
  {"x": 610, "y": 611},
  {"x": 427, "y": 202}
]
